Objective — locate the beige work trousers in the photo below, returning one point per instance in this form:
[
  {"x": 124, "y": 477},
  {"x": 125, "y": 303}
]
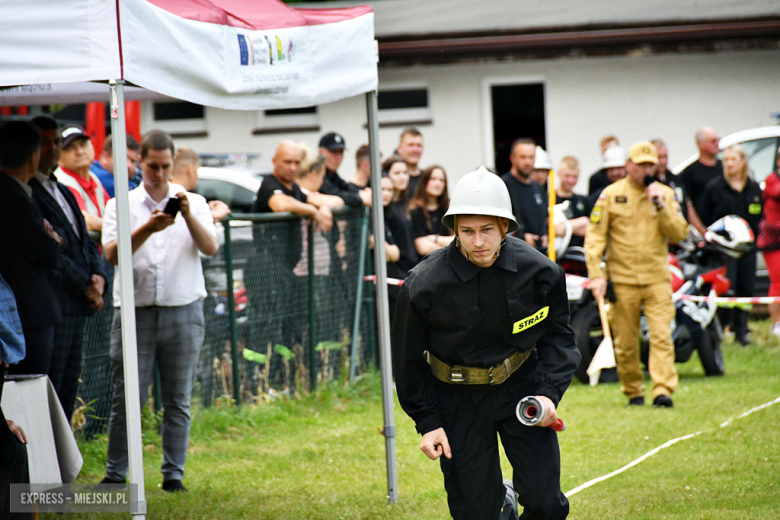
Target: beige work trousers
[{"x": 624, "y": 317}]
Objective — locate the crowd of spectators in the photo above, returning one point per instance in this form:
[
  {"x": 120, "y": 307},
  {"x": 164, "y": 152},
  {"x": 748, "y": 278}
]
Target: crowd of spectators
[{"x": 52, "y": 277}]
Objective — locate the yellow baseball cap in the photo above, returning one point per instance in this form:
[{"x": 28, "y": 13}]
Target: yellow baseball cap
[{"x": 643, "y": 152}]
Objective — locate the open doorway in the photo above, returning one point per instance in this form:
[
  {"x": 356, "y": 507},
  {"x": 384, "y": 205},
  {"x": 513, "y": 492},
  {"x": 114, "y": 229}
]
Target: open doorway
[{"x": 518, "y": 111}]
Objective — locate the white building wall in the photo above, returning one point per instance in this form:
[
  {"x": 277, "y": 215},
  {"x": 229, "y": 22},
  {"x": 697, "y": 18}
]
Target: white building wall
[{"x": 634, "y": 97}]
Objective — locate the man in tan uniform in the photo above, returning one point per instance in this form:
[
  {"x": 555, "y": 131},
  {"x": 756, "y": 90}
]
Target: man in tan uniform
[{"x": 632, "y": 223}]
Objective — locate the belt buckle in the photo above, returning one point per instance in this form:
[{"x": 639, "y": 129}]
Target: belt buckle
[{"x": 456, "y": 375}]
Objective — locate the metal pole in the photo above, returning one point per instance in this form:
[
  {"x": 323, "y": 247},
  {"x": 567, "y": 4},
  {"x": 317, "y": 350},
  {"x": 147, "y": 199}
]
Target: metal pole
[
  {"x": 232, "y": 312},
  {"x": 129, "y": 344},
  {"x": 551, "y": 198},
  {"x": 359, "y": 294},
  {"x": 380, "y": 266},
  {"x": 370, "y": 314},
  {"x": 312, "y": 354}
]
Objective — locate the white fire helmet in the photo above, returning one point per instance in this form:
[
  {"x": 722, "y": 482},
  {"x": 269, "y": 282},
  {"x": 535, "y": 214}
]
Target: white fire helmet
[
  {"x": 731, "y": 235},
  {"x": 480, "y": 193},
  {"x": 542, "y": 161},
  {"x": 614, "y": 157}
]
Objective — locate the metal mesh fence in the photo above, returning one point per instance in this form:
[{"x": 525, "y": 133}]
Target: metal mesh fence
[
  {"x": 95, "y": 391},
  {"x": 286, "y": 320}
]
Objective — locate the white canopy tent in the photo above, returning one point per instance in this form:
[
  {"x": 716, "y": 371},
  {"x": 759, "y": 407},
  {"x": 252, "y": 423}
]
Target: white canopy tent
[{"x": 231, "y": 54}]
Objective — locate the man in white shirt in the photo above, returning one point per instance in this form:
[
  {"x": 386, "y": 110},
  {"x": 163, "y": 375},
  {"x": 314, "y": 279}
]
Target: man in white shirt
[{"x": 169, "y": 292}]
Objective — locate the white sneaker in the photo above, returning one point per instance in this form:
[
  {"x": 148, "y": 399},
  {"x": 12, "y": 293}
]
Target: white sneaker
[{"x": 776, "y": 329}]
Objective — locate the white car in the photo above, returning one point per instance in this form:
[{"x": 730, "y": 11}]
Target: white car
[
  {"x": 238, "y": 189},
  {"x": 235, "y": 188},
  {"x": 761, "y": 148},
  {"x": 760, "y": 145}
]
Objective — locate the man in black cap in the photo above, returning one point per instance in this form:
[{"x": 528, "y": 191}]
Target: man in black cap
[{"x": 332, "y": 149}]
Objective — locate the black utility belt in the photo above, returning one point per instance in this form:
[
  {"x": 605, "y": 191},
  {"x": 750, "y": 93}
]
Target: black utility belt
[{"x": 460, "y": 375}]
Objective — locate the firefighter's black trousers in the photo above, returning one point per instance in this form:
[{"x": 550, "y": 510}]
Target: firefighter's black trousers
[{"x": 472, "y": 415}]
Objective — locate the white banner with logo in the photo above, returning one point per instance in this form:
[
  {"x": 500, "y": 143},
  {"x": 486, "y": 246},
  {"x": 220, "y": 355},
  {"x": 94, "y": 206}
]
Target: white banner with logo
[{"x": 236, "y": 68}]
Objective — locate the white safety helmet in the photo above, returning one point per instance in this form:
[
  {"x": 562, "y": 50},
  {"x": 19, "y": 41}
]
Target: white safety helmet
[
  {"x": 480, "y": 193},
  {"x": 731, "y": 235},
  {"x": 542, "y": 161},
  {"x": 614, "y": 157}
]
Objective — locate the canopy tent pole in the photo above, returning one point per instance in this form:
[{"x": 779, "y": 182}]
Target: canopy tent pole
[
  {"x": 383, "y": 313},
  {"x": 129, "y": 344}
]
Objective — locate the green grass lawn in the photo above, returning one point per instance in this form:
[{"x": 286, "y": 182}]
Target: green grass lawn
[{"x": 321, "y": 457}]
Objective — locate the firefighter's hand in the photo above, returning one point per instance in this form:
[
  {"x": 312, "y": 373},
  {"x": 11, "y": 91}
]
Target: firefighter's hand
[
  {"x": 550, "y": 414},
  {"x": 435, "y": 444},
  {"x": 598, "y": 286}
]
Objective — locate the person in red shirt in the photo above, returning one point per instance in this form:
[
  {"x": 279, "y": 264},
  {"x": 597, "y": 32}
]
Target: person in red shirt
[
  {"x": 74, "y": 173},
  {"x": 769, "y": 240}
]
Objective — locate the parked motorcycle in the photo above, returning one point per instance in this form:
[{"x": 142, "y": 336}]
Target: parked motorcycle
[{"x": 697, "y": 270}]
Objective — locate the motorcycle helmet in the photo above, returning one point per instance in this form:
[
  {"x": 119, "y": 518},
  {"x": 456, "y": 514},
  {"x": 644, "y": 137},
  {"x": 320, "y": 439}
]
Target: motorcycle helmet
[{"x": 731, "y": 235}]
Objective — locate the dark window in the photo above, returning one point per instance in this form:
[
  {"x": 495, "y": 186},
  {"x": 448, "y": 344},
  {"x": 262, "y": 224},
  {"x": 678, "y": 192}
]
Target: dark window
[
  {"x": 395, "y": 99},
  {"x": 518, "y": 111},
  {"x": 291, "y": 111},
  {"x": 177, "y": 110}
]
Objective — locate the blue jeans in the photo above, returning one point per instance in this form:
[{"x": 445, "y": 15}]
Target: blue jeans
[{"x": 172, "y": 336}]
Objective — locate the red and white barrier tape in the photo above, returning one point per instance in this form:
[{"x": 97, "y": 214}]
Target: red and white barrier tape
[
  {"x": 741, "y": 301},
  {"x": 584, "y": 282}
]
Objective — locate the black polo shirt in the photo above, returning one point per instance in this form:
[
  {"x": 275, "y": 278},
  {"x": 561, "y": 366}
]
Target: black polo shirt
[
  {"x": 277, "y": 241},
  {"x": 414, "y": 180},
  {"x": 431, "y": 224},
  {"x": 529, "y": 206},
  {"x": 397, "y": 221},
  {"x": 719, "y": 200},
  {"x": 579, "y": 206},
  {"x": 695, "y": 178},
  {"x": 270, "y": 187}
]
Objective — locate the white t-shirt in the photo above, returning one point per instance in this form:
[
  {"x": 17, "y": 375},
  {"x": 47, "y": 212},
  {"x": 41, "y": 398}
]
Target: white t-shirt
[{"x": 167, "y": 270}]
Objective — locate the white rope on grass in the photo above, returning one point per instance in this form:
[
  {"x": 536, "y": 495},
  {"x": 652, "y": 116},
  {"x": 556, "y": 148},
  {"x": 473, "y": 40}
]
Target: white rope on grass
[
  {"x": 652, "y": 452},
  {"x": 631, "y": 464},
  {"x": 757, "y": 408}
]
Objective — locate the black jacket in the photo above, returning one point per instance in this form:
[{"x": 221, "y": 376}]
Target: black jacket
[
  {"x": 29, "y": 256},
  {"x": 719, "y": 200},
  {"x": 469, "y": 316},
  {"x": 598, "y": 181},
  {"x": 335, "y": 185},
  {"x": 80, "y": 259}
]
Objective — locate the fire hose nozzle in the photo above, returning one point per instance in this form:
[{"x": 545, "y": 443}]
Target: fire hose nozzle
[{"x": 530, "y": 411}]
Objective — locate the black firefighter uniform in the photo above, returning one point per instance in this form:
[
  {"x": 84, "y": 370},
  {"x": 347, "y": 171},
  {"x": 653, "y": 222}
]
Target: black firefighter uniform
[
  {"x": 511, "y": 318},
  {"x": 626, "y": 224}
]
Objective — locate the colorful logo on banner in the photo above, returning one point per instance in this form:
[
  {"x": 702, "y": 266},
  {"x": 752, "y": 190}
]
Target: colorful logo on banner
[{"x": 264, "y": 50}]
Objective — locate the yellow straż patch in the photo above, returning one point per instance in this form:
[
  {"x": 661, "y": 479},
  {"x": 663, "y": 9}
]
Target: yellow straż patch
[
  {"x": 595, "y": 215},
  {"x": 530, "y": 321}
]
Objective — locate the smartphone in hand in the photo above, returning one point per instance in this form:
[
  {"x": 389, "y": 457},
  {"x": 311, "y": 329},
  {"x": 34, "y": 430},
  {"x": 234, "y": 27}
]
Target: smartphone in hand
[{"x": 172, "y": 207}]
